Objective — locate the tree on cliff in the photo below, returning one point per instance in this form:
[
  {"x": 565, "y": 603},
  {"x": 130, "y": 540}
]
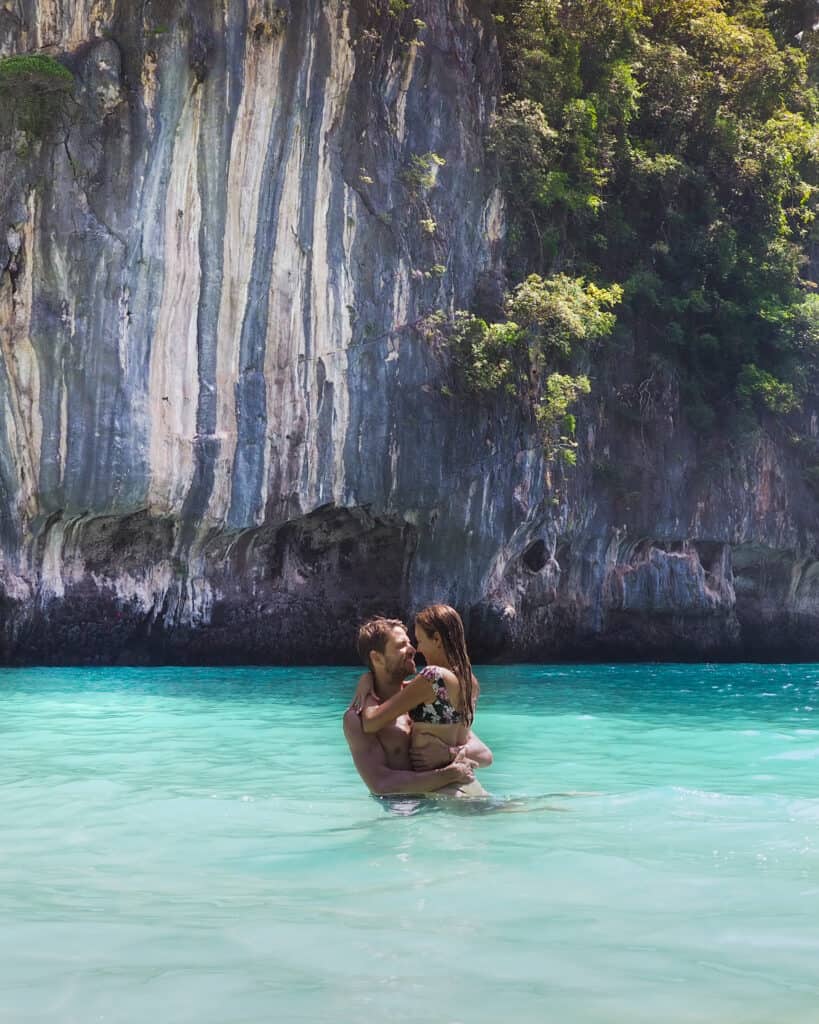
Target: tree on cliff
[
  {"x": 35, "y": 96},
  {"x": 673, "y": 146}
]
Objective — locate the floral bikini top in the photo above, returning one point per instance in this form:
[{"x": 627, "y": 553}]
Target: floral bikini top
[{"x": 441, "y": 711}]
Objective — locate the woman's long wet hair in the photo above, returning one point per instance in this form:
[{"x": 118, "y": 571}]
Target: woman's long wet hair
[{"x": 446, "y": 622}]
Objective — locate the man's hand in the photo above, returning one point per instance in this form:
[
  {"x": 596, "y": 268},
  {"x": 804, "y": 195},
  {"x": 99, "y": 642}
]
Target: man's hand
[{"x": 462, "y": 771}]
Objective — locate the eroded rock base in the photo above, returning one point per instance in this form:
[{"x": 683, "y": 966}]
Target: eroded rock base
[{"x": 292, "y": 593}]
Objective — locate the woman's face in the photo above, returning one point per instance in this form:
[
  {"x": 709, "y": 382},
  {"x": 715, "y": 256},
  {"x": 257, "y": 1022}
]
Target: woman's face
[{"x": 428, "y": 645}]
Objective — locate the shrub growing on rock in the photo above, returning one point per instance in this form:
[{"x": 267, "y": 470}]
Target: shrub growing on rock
[{"x": 36, "y": 94}]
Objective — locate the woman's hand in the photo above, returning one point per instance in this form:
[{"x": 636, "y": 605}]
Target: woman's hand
[{"x": 366, "y": 686}]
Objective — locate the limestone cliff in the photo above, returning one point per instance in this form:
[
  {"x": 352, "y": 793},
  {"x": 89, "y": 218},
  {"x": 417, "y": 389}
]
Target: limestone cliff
[{"x": 222, "y": 436}]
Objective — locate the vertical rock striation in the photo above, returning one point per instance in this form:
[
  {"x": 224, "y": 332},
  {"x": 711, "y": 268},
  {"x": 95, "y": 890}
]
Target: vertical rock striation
[{"x": 210, "y": 378}]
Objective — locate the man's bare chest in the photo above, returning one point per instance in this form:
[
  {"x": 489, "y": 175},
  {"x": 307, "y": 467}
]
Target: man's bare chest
[{"x": 395, "y": 740}]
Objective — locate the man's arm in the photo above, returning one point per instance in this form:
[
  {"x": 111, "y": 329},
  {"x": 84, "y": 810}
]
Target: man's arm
[{"x": 371, "y": 764}]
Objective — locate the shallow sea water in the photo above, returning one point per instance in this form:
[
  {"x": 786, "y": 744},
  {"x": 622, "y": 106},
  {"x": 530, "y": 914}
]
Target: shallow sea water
[{"x": 189, "y": 845}]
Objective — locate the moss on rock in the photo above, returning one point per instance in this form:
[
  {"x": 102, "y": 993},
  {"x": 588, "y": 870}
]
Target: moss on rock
[{"x": 35, "y": 95}]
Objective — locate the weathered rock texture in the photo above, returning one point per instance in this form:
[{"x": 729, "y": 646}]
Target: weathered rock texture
[{"x": 222, "y": 437}]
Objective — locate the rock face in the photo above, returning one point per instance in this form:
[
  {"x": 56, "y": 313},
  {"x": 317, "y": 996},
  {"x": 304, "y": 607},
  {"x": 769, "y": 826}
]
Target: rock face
[
  {"x": 223, "y": 438},
  {"x": 662, "y": 548}
]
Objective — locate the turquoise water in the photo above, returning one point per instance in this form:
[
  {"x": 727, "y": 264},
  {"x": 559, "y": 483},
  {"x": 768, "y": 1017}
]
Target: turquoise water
[{"x": 195, "y": 846}]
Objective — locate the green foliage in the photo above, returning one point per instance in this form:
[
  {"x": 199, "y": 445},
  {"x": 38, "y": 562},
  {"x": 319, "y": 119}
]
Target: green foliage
[
  {"x": 673, "y": 146},
  {"x": 547, "y": 319},
  {"x": 483, "y": 354},
  {"x": 775, "y": 395},
  {"x": 398, "y": 7},
  {"x": 35, "y": 95},
  {"x": 419, "y": 177},
  {"x": 562, "y": 311},
  {"x": 550, "y": 322},
  {"x": 561, "y": 392},
  {"x": 552, "y": 412},
  {"x": 25, "y": 69}
]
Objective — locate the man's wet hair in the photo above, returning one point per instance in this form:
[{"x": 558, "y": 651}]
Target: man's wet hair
[{"x": 373, "y": 636}]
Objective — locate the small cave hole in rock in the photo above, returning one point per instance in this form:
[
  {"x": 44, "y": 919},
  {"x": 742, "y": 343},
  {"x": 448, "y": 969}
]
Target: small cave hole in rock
[{"x": 535, "y": 557}]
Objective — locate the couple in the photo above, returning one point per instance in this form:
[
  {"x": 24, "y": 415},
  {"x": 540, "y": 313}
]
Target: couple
[{"x": 416, "y": 738}]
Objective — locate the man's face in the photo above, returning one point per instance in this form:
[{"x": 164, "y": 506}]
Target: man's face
[{"x": 399, "y": 654}]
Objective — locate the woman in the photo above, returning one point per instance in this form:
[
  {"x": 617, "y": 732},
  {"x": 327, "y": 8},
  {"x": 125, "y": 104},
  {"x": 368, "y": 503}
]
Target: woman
[{"x": 440, "y": 700}]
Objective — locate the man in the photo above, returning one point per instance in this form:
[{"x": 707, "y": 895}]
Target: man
[{"x": 382, "y": 759}]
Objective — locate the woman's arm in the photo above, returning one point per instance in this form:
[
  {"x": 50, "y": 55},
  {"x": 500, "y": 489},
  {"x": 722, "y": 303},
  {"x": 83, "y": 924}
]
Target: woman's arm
[
  {"x": 419, "y": 691},
  {"x": 477, "y": 751}
]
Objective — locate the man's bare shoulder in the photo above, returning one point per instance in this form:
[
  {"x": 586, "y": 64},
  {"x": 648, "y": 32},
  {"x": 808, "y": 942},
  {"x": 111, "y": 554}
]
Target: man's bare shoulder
[
  {"x": 352, "y": 717},
  {"x": 352, "y": 723},
  {"x": 353, "y": 727}
]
